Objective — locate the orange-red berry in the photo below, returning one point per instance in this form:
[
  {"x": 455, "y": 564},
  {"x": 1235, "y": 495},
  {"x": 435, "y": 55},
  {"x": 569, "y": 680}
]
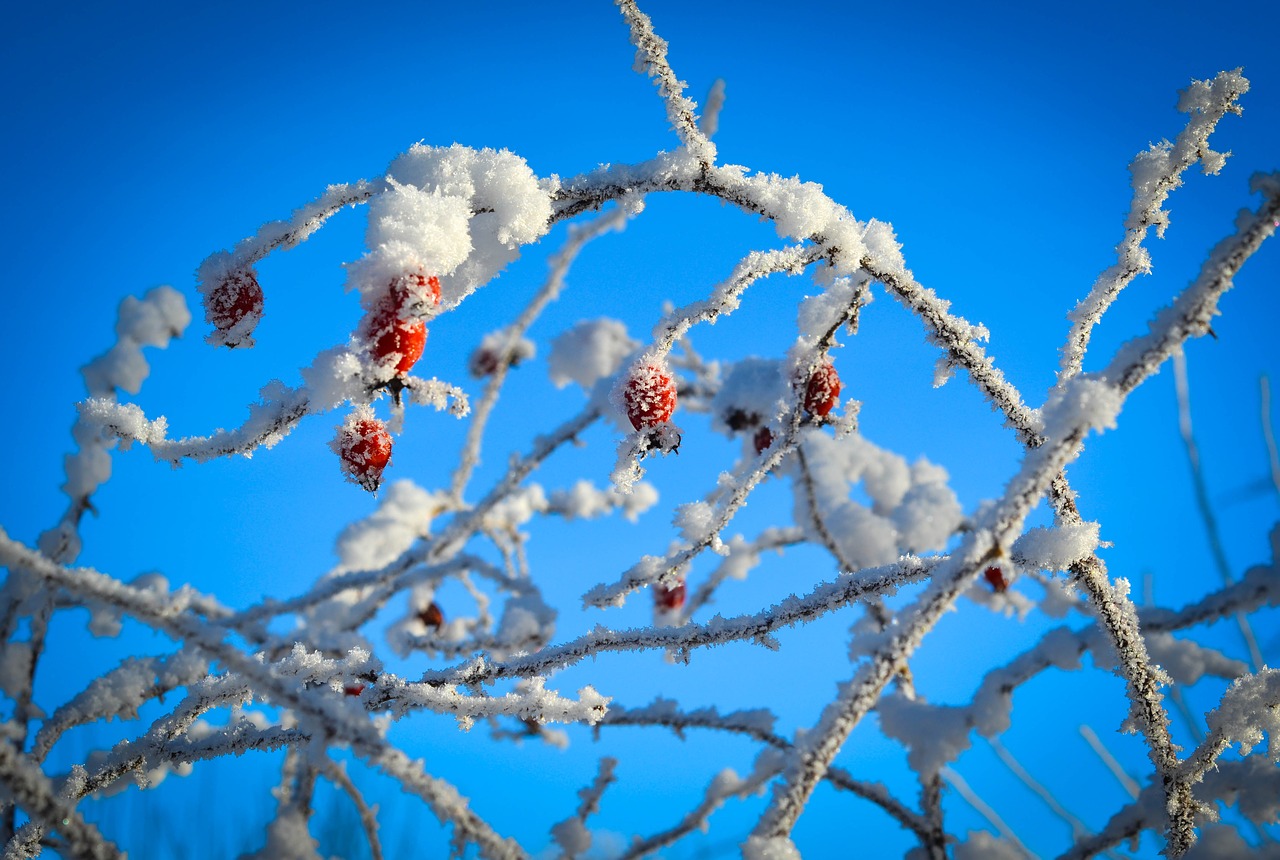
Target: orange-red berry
[
  {"x": 237, "y": 297},
  {"x": 823, "y": 390},
  {"x": 394, "y": 333},
  {"x": 365, "y": 449},
  {"x": 650, "y": 396}
]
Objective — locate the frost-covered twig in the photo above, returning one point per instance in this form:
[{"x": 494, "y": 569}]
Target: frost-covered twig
[
  {"x": 440, "y": 797},
  {"x": 579, "y": 237},
  {"x": 793, "y": 610},
  {"x": 1081, "y": 406},
  {"x": 1156, "y": 173},
  {"x": 1249, "y": 708},
  {"x": 119, "y": 693},
  {"x": 35, "y": 794},
  {"x": 572, "y": 833},
  {"x": 757, "y": 724},
  {"x": 651, "y": 58},
  {"x": 1252, "y": 782},
  {"x": 726, "y": 785},
  {"x": 742, "y": 556}
]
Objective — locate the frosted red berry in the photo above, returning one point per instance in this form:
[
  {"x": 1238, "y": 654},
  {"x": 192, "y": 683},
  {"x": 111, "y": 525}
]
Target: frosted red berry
[
  {"x": 432, "y": 616},
  {"x": 236, "y": 299},
  {"x": 822, "y": 393},
  {"x": 669, "y": 599},
  {"x": 353, "y": 689},
  {"x": 396, "y": 335},
  {"x": 650, "y": 396},
  {"x": 995, "y": 576},
  {"x": 364, "y": 447}
]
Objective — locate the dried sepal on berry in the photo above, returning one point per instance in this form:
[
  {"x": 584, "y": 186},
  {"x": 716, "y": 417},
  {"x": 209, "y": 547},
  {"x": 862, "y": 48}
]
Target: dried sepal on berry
[
  {"x": 822, "y": 392},
  {"x": 395, "y": 329},
  {"x": 649, "y": 395},
  {"x": 363, "y": 446},
  {"x": 234, "y": 307}
]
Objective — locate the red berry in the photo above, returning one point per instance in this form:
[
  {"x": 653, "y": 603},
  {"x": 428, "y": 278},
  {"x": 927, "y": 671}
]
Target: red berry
[
  {"x": 353, "y": 689},
  {"x": 650, "y": 396},
  {"x": 995, "y": 576},
  {"x": 237, "y": 297},
  {"x": 763, "y": 439},
  {"x": 365, "y": 449},
  {"x": 823, "y": 391},
  {"x": 669, "y": 599},
  {"x": 432, "y": 616},
  {"x": 393, "y": 330}
]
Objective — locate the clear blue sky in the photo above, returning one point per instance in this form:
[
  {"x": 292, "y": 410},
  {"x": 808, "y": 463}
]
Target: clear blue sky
[{"x": 142, "y": 137}]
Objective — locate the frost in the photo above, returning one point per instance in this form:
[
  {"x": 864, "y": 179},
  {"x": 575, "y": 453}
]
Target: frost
[
  {"x": 404, "y": 514},
  {"x": 590, "y": 351},
  {"x": 769, "y": 848},
  {"x": 1056, "y": 548},
  {"x": 752, "y": 394},
  {"x": 981, "y": 845}
]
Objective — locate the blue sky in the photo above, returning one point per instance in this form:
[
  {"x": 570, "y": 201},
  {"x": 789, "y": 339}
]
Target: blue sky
[{"x": 994, "y": 138}]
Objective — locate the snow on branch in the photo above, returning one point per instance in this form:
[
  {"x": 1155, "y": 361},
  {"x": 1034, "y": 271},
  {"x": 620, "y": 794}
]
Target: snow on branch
[
  {"x": 445, "y": 583},
  {"x": 1157, "y": 172}
]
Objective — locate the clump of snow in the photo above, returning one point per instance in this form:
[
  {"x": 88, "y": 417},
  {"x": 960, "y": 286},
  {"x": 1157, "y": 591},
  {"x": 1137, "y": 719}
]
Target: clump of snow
[
  {"x": 590, "y": 351},
  {"x": 770, "y": 848},
  {"x": 981, "y": 845},
  {"x": 933, "y": 734},
  {"x": 411, "y": 230},
  {"x": 752, "y": 394},
  {"x": 572, "y": 836},
  {"x": 1056, "y": 548},
  {"x": 336, "y": 376},
  {"x": 694, "y": 521},
  {"x": 403, "y": 515},
  {"x": 816, "y": 314},
  {"x": 1092, "y": 404},
  {"x": 1248, "y": 709},
  {"x": 504, "y": 204},
  {"x": 585, "y": 501},
  {"x": 912, "y": 509}
]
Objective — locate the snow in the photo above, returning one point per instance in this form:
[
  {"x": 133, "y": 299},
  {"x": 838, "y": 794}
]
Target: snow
[
  {"x": 1056, "y": 548},
  {"x": 590, "y": 351}
]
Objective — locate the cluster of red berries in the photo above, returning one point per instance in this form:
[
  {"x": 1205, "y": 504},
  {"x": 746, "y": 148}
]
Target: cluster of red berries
[
  {"x": 396, "y": 336},
  {"x": 236, "y": 297},
  {"x": 394, "y": 329},
  {"x": 364, "y": 449}
]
